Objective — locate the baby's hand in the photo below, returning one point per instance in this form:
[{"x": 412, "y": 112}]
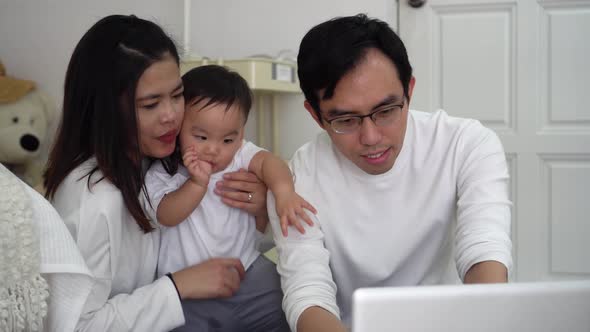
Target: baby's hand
[
  {"x": 198, "y": 169},
  {"x": 290, "y": 209}
]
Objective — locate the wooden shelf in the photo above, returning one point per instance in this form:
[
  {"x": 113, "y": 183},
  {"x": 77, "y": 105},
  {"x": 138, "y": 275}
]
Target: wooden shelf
[{"x": 266, "y": 75}]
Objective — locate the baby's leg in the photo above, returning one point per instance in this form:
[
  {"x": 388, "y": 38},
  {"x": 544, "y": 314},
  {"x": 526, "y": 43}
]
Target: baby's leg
[{"x": 259, "y": 299}]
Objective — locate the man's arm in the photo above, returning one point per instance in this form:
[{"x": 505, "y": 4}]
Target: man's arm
[
  {"x": 483, "y": 245},
  {"x": 486, "y": 272},
  {"x": 306, "y": 279},
  {"x": 318, "y": 319}
]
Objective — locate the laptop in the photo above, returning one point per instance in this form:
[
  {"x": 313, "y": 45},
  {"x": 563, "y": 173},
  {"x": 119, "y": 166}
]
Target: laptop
[{"x": 522, "y": 307}]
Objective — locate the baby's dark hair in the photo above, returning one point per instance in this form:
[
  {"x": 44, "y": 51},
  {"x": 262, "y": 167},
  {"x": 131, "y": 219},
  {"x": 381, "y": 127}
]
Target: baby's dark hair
[{"x": 219, "y": 85}]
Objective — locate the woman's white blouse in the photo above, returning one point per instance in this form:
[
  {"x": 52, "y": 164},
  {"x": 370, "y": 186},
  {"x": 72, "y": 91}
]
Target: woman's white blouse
[{"x": 120, "y": 256}]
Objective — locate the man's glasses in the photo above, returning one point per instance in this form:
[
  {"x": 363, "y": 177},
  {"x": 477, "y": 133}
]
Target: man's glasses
[{"x": 383, "y": 116}]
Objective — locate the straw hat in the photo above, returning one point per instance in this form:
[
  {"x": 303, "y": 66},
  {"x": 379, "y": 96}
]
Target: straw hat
[{"x": 12, "y": 89}]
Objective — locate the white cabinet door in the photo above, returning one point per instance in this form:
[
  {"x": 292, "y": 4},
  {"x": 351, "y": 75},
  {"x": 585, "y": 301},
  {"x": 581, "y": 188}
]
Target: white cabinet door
[{"x": 523, "y": 69}]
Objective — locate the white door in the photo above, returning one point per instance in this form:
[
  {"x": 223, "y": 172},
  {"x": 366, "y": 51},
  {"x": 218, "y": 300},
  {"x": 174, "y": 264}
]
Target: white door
[{"x": 523, "y": 69}]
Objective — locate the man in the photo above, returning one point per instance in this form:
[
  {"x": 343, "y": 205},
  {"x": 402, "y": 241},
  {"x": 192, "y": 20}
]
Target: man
[{"x": 403, "y": 197}]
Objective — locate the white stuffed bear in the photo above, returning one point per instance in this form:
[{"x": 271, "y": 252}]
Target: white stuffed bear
[{"x": 25, "y": 118}]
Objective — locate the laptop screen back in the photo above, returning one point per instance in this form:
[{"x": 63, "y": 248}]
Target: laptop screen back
[{"x": 538, "y": 307}]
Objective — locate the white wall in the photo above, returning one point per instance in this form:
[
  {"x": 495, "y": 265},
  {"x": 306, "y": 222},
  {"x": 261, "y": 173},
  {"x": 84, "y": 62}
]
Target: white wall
[
  {"x": 238, "y": 28},
  {"x": 38, "y": 36}
]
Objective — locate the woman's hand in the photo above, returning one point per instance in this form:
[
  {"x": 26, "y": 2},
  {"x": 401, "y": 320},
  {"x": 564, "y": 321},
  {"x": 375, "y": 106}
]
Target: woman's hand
[
  {"x": 215, "y": 278},
  {"x": 243, "y": 190}
]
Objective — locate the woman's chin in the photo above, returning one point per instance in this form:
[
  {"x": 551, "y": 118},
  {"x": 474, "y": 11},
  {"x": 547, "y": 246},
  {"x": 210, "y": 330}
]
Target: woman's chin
[
  {"x": 159, "y": 152},
  {"x": 166, "y": 152}
]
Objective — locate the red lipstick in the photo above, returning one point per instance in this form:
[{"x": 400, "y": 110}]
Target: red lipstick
[{"x": 168, "y": 137}]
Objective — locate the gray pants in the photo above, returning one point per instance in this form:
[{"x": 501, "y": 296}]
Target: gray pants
[{"x": 256, "y": 306}]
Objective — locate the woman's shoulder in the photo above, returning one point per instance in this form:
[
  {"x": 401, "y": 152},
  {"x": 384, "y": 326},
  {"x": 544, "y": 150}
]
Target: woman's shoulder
[
  {"x": 81, "y": 203},
  {"x": 85, "y": 184},
  {"x": 86, "y": 178}
]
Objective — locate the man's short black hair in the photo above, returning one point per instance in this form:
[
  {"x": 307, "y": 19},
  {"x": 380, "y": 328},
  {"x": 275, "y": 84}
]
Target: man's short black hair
[{"x": 333, "y": 48}]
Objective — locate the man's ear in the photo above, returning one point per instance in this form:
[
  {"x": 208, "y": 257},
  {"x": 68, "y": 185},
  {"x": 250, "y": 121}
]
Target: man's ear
[{"x": 313, "y": 114}]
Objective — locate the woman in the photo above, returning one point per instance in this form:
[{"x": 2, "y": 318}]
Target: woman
[{"x": 123, "y": 107}]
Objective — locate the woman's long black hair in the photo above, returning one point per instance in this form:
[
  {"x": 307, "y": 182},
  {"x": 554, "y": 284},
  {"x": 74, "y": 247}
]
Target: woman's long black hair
[{"x": 99, "y": 118}]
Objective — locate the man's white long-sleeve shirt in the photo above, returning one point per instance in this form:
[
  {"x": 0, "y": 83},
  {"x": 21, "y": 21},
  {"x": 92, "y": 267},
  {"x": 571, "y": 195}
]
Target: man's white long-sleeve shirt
[{"x": 442, "y": 208}]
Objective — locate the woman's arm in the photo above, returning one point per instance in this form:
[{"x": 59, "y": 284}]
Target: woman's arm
[{"x": 154, "y": 306}]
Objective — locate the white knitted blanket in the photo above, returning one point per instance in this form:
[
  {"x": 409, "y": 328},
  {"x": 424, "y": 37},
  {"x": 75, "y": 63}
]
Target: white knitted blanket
[{"x": 23, "y": 292}]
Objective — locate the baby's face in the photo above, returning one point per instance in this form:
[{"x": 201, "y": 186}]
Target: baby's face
[{"x": 215, "y": 133}]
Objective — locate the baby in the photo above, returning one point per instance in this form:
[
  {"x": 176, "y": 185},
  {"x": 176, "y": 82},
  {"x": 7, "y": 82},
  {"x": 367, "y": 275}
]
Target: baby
[{"x": 199, "y": 226}]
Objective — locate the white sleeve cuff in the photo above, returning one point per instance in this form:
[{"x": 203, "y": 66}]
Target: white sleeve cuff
[{"x": 175, "y": 307}]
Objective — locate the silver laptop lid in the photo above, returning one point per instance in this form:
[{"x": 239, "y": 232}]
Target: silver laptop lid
[{"x": 538, "y": 307}]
